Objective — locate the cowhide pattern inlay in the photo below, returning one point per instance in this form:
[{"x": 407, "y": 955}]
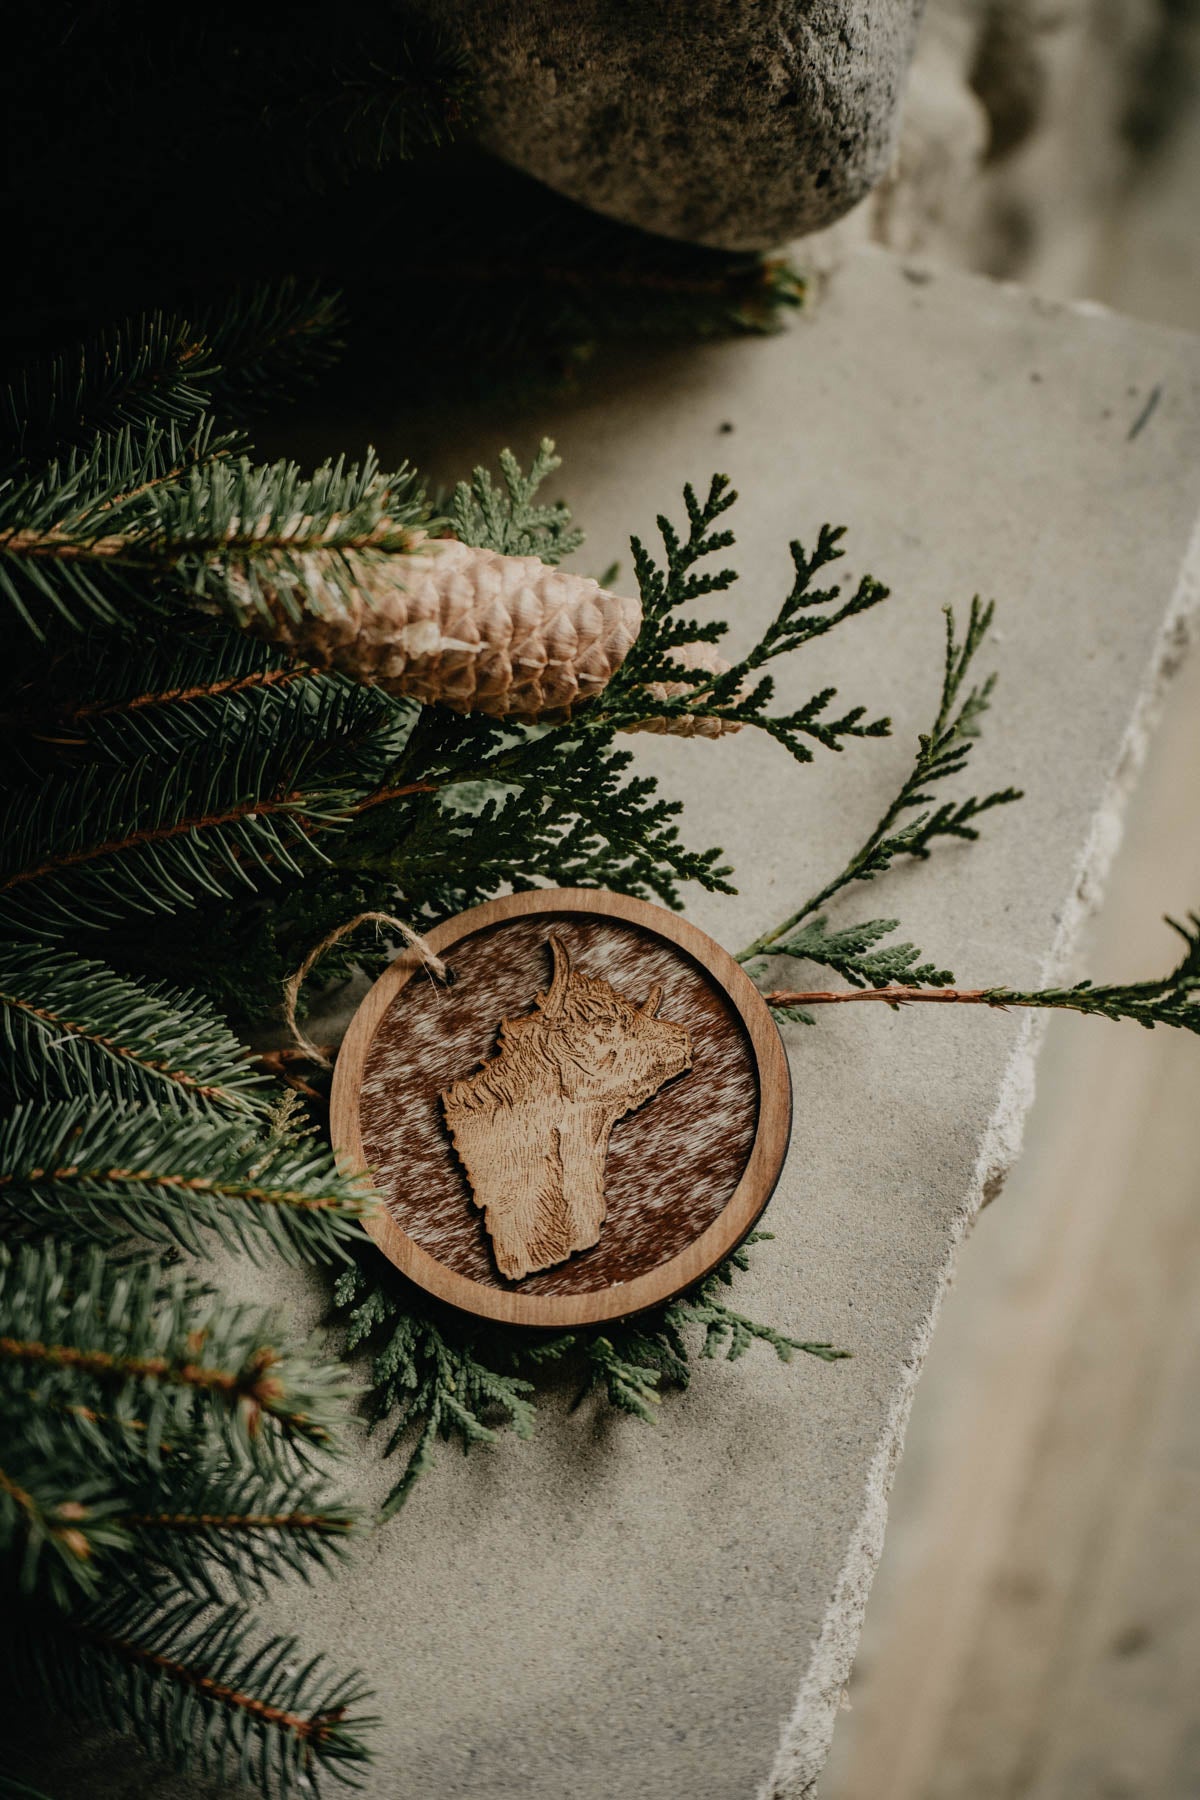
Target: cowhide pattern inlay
[{"x": 672, "y": 1166}]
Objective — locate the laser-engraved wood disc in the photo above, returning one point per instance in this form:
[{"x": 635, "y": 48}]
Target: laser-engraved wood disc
[{"x": 645, "y": 1118}]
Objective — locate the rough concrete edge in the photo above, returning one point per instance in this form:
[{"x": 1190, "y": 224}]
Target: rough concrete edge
[{"x": 806, "y": 1736}]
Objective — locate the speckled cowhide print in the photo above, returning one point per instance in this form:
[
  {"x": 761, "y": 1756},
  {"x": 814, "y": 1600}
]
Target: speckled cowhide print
[{"x": 574, "y": 1127}]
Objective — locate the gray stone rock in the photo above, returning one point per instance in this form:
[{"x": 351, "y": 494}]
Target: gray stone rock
[{"x": 720, "y": 121}]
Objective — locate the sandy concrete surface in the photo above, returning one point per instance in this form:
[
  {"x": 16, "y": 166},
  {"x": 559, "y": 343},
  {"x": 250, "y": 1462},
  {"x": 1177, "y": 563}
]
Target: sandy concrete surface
[{"x": 621, "y": 1613}]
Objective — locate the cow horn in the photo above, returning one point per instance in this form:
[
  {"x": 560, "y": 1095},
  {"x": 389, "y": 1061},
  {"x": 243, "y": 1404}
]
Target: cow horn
[
  {"x": 653, "y": 1001},
  {"x": 552, "y": 1001}
]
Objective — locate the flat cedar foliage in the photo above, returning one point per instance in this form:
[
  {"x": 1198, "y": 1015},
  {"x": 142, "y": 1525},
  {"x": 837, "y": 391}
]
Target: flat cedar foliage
[{"x": 188, "y": 810}]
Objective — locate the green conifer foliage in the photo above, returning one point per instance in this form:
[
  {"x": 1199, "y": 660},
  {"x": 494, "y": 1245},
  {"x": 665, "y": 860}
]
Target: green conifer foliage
[
  {"x": 158, "y": 1447},
  {"x": 189, "y": 811}
]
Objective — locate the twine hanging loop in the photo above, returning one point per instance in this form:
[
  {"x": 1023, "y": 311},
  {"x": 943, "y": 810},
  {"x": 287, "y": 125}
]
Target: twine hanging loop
[{"x": 294, "y": 983}]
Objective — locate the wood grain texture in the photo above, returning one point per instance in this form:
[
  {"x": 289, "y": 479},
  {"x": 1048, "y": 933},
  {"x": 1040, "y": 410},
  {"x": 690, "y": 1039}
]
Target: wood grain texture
[
  {"x": 532, "y": 1126},
  {"x": 685, "y": 1176}
]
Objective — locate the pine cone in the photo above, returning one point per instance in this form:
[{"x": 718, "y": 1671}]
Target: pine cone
[
  {"x": 466, "y": 628},
  {"x": 689, "y": 656},
  {"x": 471, "y": 629}
]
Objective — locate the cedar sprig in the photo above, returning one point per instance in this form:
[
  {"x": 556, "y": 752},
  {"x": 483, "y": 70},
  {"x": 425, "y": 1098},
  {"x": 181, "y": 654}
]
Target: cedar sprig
[
  {"x": 942, "y": 752},
  {"x": 511, "y": 519},
  {"x": 429, "y": 1379},
  {"x": 894, "y": 974},
  {"x": 555, "y": 804},
  {"x": 631, "y": 1363},
  {"x": 1171, "y": 999},
  {"x": 741, "y": 695},
  {"x": 435, "y": 1376},
  {"x": 729, "y": 1333},
  {"x": 851, "y": 952}
]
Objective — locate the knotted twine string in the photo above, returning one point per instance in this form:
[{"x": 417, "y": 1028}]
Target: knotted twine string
[{"x": 293, "y": 984}]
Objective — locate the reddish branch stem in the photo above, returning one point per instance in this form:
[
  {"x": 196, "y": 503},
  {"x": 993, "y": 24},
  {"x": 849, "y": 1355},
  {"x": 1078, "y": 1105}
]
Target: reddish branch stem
[
  {"x": 193, "y": 1184},
  {"x": 211, "y": 690},
  {"x": 313, "y": 1730},
  {"x": 69, "y": 1027},
  {"x": 155, "y": 834},
  {"x": 382, "y": 795},
  {"x": 903, "y": 996},
  {"x": 288, "y": 1521}
]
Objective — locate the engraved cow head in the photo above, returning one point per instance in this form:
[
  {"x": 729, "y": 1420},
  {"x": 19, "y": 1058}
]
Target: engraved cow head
[{"x": 532, "y": 1126}]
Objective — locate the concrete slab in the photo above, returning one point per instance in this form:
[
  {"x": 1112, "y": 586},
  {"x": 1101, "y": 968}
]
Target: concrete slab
[{"x": 621, "y": 1613}]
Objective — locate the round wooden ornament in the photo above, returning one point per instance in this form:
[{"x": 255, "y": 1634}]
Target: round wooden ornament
[{"x": 581, "y": 1124}]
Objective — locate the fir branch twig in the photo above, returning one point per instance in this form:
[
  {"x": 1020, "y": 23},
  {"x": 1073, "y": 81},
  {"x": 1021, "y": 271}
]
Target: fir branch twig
[{"x": 172, "y": 1178}]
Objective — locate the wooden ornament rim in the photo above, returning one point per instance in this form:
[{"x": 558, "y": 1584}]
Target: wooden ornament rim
[{"x": 658, "y": 1285}]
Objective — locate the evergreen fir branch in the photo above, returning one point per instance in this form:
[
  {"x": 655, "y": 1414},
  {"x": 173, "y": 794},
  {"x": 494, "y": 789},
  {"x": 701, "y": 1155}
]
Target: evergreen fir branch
[
  {"x": 152, "y": 370},
  {"x": 1172, "y": 999},
  {"x": 122, "y": 702},
  {"x": 68, "y": 532},
  {"x": 102, "y": 1170},
  {"x": 268, "y": 342},
  {"x": 197, "y": 1687},
  {"x": 252, "y": 348},
  {"x": 72, "y": 1027},
  {"x": 384, "y": 103},
  {"x": 741, "y": 695},
  {"x": 84, "y": 542},
  {"x": 944, "y": 751},
  {"x": 204, "y": 691},
  {"x": 509, "y": 521},
  {"x": 92, "y": 848},
  {"x": 249, "y": 1527},
  {"x": 236, "y": 525},
  {"x": 126, "y": 1342},
  {"x": 12, "y": 1789},
  {"x": 56, "y": 1526}
]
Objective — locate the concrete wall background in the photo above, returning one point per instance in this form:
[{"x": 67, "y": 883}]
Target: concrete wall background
[{"x": 1034, "y": 1629}]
